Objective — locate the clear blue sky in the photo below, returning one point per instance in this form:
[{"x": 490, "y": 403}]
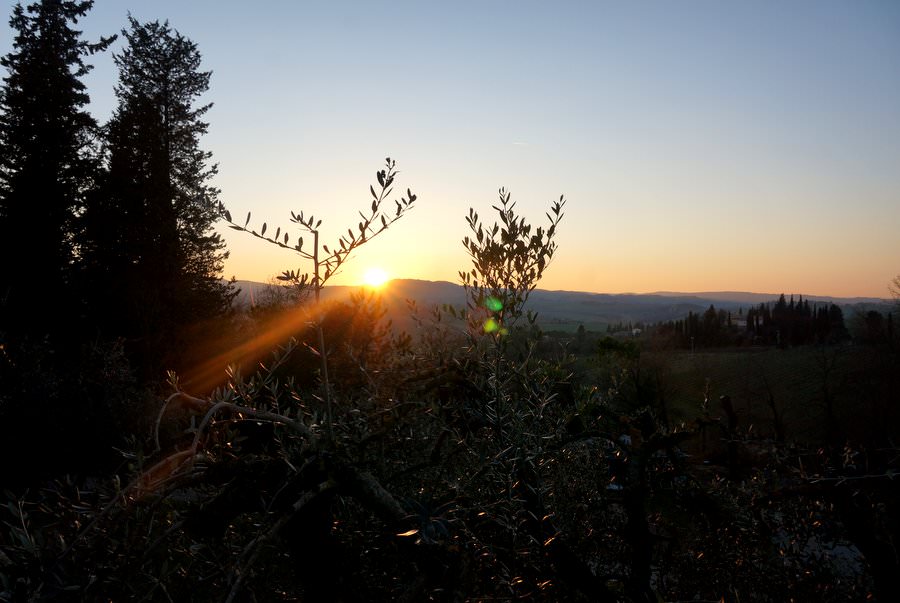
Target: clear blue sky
[{"x": 701, "y": 145}]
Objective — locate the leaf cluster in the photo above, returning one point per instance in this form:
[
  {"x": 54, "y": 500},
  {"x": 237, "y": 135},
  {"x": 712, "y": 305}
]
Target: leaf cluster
[
  {"x": 508, "y": 259},
  {"x": 372, "y": 223}
]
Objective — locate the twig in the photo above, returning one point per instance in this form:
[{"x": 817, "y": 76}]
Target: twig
[
  {"x": 255, "y": 546},
  {"x": 162, "y": 411}
]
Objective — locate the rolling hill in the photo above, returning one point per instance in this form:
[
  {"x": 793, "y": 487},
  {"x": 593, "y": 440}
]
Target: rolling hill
[{"x": 563, "y": 310}]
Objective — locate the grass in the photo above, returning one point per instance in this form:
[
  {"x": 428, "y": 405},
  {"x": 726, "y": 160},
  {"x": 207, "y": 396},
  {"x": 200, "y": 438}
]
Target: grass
[{"x": 795, "y": 379}]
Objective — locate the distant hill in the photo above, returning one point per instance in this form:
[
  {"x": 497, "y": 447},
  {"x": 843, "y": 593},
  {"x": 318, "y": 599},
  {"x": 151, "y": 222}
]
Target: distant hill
[
  {"x": 758, "y": 298},
  {"x": 564, "y": 310}
]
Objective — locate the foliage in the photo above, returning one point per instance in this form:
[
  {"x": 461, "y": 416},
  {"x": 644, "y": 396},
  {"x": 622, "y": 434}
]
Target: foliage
[
  {"x": 414, "y": 500},
  {"x": 894, "y": 288},
  {"x": 424, "y": 491},
  {"x": 782, "y": 323},
  {"x": 508, "y": 260},
  {"x": 446, "y": 468},
  {"x": 151, "y": 261},
  {"x": 326, "y": 261},
  {"x": 47, "y": 164},
  {"x": 93, "y": 284}
]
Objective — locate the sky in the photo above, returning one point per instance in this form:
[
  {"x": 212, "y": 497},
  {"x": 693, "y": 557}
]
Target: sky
[{"x": 700, "y": 145}]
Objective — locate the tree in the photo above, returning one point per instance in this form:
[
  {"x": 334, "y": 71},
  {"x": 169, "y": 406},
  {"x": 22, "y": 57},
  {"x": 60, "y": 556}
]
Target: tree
[
  {"x": 47, "y": 163},
  {"x": 327, "y": 262},
  {"x": 710, "y": 326},
  {"x": 150, "y": 252},
  {"x": 895, "y": 290},
  {"x": 836, "y": 328},
  {"x": 508, "y": 260}
]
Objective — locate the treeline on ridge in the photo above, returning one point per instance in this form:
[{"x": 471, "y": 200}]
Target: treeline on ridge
[{"x": 782, "y": 323}]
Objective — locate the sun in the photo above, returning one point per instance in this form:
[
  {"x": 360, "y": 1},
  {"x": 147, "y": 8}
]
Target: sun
[{"x": 375, "y": 277}]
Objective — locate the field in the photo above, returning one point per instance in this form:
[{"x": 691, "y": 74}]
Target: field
[
  {"x": 752, "y": 378},
  {"x": 796, "y": 383}
]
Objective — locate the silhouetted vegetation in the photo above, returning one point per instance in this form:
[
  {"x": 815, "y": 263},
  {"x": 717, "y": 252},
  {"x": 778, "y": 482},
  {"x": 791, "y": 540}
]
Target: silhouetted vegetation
[
  {"x": 780, "y": 323},
  {"x": 48, "y": 165},
  {"x": 309, "y": 451},
  {"x": 150, "y": 263},
  {"x": 119, "y": 270}
]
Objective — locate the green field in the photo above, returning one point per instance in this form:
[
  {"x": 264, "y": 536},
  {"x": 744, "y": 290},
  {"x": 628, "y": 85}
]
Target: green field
[
  {"x": 793, "y": 378},
  {"x": 797, "y": 380}
]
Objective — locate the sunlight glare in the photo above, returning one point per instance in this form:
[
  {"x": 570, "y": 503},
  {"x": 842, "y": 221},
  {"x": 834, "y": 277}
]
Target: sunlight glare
[{"x": 375, "y": 277}]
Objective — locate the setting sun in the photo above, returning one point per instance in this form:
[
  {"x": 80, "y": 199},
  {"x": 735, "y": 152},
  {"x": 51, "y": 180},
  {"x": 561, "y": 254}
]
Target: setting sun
[{"x": 375, "y": 277}]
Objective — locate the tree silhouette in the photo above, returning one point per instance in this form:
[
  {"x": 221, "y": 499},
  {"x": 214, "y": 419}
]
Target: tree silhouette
[
  {"x": 508, "y": 260},
  {"x": 149, "y": 247},
  {"x": 895, "y": 290},
  {"x": 47, "y": 163},
  {"x": 328, "y": 261}
]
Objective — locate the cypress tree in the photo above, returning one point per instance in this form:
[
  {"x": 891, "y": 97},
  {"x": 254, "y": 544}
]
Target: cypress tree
[
  {"x": 150, "y": 245},
  {"x": 47, "y": 164},
  {"x": 836, "y": 328}
]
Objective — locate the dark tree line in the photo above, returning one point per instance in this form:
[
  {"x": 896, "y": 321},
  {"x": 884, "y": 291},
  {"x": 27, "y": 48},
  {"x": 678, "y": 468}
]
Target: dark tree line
[
  {"x": 149, "y": 255},
  {"x": 48, "y": 162},
  {"x": 876, "y": 328},
  {"x": 789, "y": 323},
  {"x": 106, "y": 231},
  {"x": 621, "y": 326},
  {"x": 782, "y": 323}
]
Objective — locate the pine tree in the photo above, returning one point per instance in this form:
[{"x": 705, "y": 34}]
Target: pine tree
[
  {"x": 150, "y": 246},
  {"x": 837, "y": 330},
  {"x": 47, "y": 163}
]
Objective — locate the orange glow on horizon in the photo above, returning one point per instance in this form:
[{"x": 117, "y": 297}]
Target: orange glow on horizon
[{"x": 375, "y": 278}]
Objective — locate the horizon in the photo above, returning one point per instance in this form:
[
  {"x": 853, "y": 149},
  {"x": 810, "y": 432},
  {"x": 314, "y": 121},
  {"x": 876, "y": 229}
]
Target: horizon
[
  {"x": 774, "y": 296},
  {"x": 700, "y": 148}
]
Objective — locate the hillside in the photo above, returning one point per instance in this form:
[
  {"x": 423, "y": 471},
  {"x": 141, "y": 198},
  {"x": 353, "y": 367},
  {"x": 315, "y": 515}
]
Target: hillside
[{"x": 564, "y": 310}]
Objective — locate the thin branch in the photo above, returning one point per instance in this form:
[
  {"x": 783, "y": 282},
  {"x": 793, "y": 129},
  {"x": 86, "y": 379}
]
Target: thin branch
[{"x": 241, "y": 570}]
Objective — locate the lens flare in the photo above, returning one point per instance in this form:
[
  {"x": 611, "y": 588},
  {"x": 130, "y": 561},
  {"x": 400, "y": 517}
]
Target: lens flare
[{"x": 493, "y": 324}]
